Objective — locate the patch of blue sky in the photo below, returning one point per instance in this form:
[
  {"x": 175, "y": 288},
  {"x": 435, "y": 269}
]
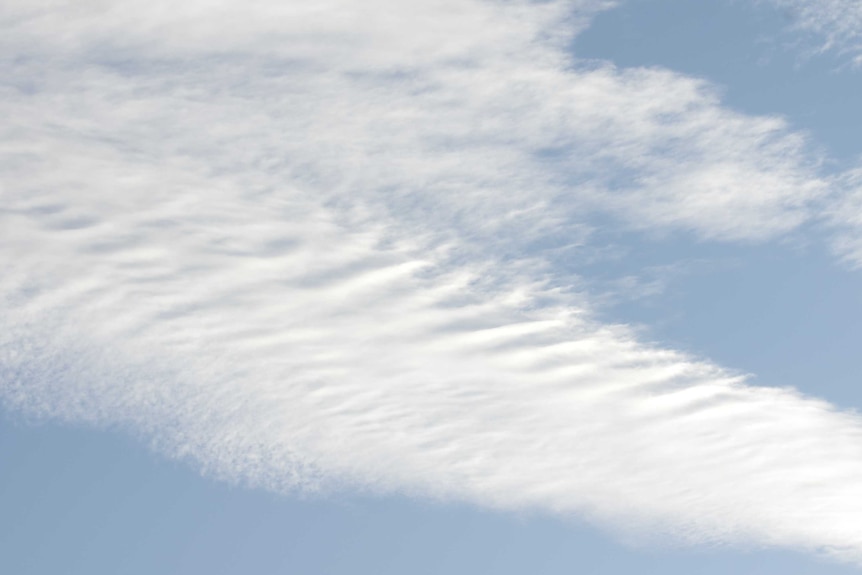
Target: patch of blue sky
[
  {"x": 750, "y": 52},
  {"x": 786, "y": 314},
  {"x": 784, "y": 310},
  {"x": 752, "y": 55},
  {"x": 82, "y": 502}
]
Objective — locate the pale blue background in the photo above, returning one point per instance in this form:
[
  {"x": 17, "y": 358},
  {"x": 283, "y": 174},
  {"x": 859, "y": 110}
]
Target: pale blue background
[
  {"x": 75, "y": 501},
  {"x": 82, "y": 501},
  {"x": 785, "y": 311}
]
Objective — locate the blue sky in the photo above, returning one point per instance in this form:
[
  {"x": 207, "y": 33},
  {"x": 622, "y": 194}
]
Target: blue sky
[
  {"x": 80, "y": 501},
  {"x": 444, "y": 287}
]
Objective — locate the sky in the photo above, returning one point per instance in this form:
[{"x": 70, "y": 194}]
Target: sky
[{"x": 438, "y": 287}]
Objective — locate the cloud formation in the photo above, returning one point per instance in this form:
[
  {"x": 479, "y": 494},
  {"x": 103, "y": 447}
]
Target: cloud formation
[
  {"x": 837, "y": 22},
  {"x": 306, "y": 246}
]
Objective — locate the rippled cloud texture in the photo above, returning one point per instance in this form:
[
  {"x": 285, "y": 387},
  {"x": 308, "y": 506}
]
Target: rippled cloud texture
[{"x": 306, "y": 246}]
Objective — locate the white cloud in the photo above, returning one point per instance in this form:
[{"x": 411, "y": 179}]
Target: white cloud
[
  {"x": 844, "y": 215},
  {"x": 409, "y": 112},
  {"x": 298, "y": 245},
  {"x": 837, "y": 22}
]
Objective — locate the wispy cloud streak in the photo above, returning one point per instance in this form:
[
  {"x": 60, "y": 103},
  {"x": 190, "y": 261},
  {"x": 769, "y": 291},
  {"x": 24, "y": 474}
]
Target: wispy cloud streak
[
  {"x": 298, "y": 245},
  {"x": 837, "y": 23}
]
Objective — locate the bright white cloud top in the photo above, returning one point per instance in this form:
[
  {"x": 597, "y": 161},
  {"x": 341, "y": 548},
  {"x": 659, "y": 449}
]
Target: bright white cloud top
[{"x": 296, "y": 242}]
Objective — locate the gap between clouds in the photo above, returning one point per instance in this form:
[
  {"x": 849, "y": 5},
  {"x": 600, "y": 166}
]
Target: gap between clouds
[{"x": 298, "y": 245}]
